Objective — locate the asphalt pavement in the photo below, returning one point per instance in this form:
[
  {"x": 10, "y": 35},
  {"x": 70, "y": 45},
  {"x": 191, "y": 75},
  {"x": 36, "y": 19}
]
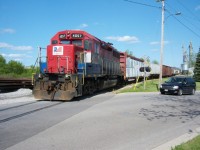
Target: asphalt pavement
[{"x": 130, "y": 121}]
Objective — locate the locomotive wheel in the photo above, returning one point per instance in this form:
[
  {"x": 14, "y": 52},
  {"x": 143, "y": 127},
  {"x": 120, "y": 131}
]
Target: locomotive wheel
[{"x": 89, "y": 87}]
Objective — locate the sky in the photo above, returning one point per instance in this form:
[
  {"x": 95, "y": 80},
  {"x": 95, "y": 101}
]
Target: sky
[{"x": 133, "y": 25}]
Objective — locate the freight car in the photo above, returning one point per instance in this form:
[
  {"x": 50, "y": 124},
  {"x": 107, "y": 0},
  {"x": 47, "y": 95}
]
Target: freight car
[
  {"x": 130, "y": 67},
  {"x": 167, "y": 71},
  {"x": 77, "y": 63}
]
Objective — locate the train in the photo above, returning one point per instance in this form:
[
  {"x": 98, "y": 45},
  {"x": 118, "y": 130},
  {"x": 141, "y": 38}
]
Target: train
[{"x": 78, "y": 63}]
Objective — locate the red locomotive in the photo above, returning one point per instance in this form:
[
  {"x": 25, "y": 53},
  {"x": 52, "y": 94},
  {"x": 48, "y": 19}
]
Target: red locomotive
[{"x": 78, "y": 63}]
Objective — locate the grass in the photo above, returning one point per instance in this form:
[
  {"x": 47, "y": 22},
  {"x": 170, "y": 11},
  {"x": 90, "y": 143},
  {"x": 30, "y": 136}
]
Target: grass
[
  {"x": 198, "y": 86},
  {"x": 193, "y": 144},
  {"x": 12, "y": 75},
  {"x": 150, "y": 86}
]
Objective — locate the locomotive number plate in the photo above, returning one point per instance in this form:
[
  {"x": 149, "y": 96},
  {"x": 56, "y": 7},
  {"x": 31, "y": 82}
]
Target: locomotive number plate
[{"x": 76, "y": 35}]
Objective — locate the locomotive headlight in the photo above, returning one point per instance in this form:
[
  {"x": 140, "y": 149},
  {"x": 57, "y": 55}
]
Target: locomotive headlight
[
  {"x": 67, "y": 76},
  {"x": 175, "y": 87}
]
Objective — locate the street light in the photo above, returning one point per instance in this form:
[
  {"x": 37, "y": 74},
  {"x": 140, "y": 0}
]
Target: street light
[
  {"x": 162, "y": 41},
  {"x": 162, "y": 37},
  {"x": 176, "y": 14}
]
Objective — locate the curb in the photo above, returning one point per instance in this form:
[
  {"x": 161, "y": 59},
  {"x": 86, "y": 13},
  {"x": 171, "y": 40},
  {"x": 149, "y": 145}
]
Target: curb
[{"x": 179, "y": 140}]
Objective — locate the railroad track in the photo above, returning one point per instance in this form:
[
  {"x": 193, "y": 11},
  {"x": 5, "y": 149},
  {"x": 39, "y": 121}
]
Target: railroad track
[
  {"x": 14, "y": 84},
  {"x": 16, "y": 112}
]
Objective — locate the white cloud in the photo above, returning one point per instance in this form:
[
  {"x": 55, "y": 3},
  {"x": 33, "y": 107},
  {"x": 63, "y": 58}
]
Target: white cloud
[
  {"x": 197, "y": 8},
  {"x": 13, "y": 55},
  {"x": 166, "y": 42},
  {"x": 84, "y": 25},
  {"x": 126, "y": 38},
  {"x": 16, "y": 57},
  {"x": 7, "y": 30},
  {"x": 158, "y": 43},
  {"x": 154, "y": 50},
  {"x": 12, "y": 47},
  {"x": 154, "y": 43}
]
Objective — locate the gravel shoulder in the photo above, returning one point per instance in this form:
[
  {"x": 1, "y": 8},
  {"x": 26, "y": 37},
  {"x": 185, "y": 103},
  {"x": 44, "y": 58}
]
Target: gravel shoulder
[{"x": 21, "y": 95}]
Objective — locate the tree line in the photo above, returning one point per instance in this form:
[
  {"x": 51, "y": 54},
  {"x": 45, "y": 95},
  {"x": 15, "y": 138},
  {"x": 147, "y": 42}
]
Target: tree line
[{"x": 14, "y": 68}]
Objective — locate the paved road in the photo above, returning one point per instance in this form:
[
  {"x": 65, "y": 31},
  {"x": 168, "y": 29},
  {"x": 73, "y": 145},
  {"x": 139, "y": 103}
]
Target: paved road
[{"x": 104, "y": 121}]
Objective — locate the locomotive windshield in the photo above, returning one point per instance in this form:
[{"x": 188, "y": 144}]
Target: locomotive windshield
[{"x": 74, "y": 42}]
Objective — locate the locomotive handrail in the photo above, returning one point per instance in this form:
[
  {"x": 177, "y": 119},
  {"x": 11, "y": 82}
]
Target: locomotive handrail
[
  {"x": 102, "y": 65},
  {"x": 76, "y": 81},
  {"x": 83, "y": 80},
  {"x": 81, "y": 60},
  {"x": 32, "y": 80},
  {"x": 67, "y": 61},
  {"x": 40, "y": 56},
  {"x": 42, "y": 61}
]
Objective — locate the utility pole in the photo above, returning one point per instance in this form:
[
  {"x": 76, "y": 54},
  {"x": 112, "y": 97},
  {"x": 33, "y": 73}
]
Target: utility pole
[
  {"x": 162, "y": 41},
  {"x": 190, "y": 64}
]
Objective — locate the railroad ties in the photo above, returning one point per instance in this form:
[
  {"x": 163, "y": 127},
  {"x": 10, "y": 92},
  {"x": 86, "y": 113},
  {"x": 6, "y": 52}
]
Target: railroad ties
[{"x": 7, "y": 85}]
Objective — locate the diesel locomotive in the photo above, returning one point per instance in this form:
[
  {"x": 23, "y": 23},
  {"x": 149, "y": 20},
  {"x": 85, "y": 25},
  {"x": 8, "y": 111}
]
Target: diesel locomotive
[{"x": 77, "y": 63}]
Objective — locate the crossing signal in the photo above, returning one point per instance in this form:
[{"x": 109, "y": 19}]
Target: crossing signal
[{"x": 145, "y": 69}]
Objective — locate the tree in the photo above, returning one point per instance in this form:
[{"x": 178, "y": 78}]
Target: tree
[
  {"x": 148, "y": 60},
  {"x": 2, "y": 64},
  {"x": 14, "y": 67},
  {"x": 129, "y": 52},
  {"x": 155, "y": 62},
  {"x": 197, "y": 67}
]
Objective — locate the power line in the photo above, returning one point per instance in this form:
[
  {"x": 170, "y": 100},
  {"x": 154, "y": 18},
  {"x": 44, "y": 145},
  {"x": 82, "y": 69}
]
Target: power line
[
  {"x": 147, "y": 5},
  {"x": 130, "y": 1},
  {"x": 188, "y": 10},
  {"x": 197, "y": 27},
  {"x": 184, "y": 24},
  {"x": 183, "y": 16}
]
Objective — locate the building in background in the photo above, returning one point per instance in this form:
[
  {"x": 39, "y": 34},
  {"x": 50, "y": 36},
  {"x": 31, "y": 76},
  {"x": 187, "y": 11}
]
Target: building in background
[
  {"x": 188, "y": 60},
  {"x": 184, "y": 66}
]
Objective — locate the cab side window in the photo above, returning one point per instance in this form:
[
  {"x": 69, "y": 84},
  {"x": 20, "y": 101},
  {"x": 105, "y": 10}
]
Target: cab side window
[
  {"x": 87, "y": 45},
  {"x": 96, "y": 48}
]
